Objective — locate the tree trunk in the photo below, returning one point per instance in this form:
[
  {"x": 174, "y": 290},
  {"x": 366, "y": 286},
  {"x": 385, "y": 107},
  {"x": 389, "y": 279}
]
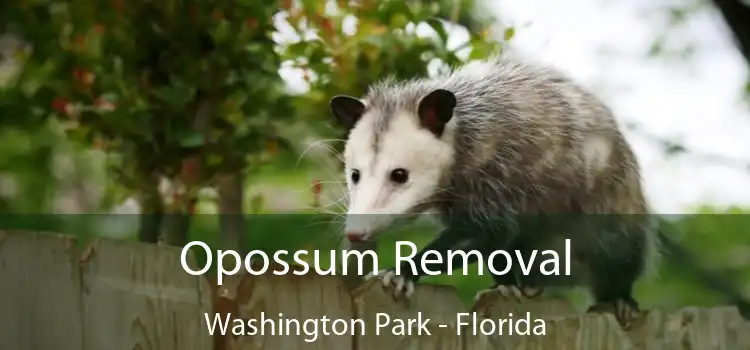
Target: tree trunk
[
  {"x": 152, "y": 211},
  {"x": 177, "y": 223},
  {"x": 231, "y": 220},
  {"x": 188, "y": 181}
]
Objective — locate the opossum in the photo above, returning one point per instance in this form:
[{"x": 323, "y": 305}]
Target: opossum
[{"x": 512, "y": 155}]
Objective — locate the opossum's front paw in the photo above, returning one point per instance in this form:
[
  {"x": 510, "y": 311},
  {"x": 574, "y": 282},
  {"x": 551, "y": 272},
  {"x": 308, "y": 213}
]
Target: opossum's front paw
[
  {"x": 625, "y": 310},
  {"x": 511, "y": 292},
  {"x": 402, "y": 285}
]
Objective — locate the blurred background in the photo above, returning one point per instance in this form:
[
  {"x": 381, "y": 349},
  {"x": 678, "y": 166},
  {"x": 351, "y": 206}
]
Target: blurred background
[{"x": 143, "y": 118}]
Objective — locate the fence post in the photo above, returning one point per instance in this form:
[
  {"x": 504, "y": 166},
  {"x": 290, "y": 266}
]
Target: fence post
[
  {"x": 138, "y": 296},
  {"x": 40, "y": 305}
]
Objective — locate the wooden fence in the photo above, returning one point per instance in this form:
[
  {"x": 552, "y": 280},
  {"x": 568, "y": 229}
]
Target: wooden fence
[{"x": 114, "y": 295}]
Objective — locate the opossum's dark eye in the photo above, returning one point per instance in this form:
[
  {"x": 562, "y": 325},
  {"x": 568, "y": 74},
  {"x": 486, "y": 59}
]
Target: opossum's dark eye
[
  {"x": 399, "y": 175},
  {"x": 355, "y": 176}
]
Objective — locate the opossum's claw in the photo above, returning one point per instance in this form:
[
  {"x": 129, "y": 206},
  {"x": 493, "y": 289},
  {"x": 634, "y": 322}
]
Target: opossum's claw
[
  {"x": 532, "y": 292},
  {"x": 372, "y": 275},
  {"x": 510, "y": 292},
  {"x": 402, "y": 285},
  {"x": 627, "y": 312},
  {"x": 624, "y": 310}
]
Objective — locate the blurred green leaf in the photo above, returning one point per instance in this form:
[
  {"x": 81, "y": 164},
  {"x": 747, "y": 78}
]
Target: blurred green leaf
[
  {"x": 175, "y": 96},
  {"x": 192, "y": 139},
  {"x": 509, "y": 33},
  {"x": 439, "y": 27}
]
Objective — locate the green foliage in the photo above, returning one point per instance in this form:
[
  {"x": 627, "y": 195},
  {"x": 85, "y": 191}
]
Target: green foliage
[
  {"x": 134, "y": 79},
  {"x": 719, "y": 241},
  {"x": 23, "y": 153},
  {"x": 384, "y": 43},
  {"x": 186, "y": 89}
]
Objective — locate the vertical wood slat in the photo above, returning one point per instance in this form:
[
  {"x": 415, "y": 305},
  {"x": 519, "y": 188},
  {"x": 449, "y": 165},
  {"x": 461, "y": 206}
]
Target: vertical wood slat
[
  {"x": 110, "y": 295},
  {"x": 40, "y": 306},
  {"x": 439, "y": 304},
  {"x": 137, "y": 296},
  {"x": 127, "y": 295},
  {"x": 300, "y": 298}
]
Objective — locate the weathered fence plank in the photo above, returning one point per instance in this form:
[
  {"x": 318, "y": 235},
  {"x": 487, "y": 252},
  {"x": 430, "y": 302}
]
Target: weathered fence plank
[
  {"x": 495, "y": 305},
  {"x": 126, "y": 295},
  {"x": 581, "y": 332},
  {"x": 438, "y": 303},
  {"x": 300, "y": 298},
  {"x": 137, "y": 296},
  {"x": 39, "y": 292},
  {"x": 692, "y": 328}
]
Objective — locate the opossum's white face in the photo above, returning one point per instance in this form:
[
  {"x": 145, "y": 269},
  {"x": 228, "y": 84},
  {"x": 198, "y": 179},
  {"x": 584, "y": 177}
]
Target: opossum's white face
[{"x": 394, "y": 165}]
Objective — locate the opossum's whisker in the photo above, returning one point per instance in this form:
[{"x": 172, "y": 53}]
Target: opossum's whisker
[
  {"x": 336, "y": 223},
  {"x": 315, "y": 144},
  {"x": 336, "y": 203},
  {"x": 341, "y": 184},
  {"x": 341, "y": 203},
  {"x": 328, "y": 224},
  {"x": 311, "y": 186},
  {"x": 322, "y": 164},
  {"x": 327, "y": 182},
  {"x": 331, "y": 214},
  {"x": 333, "y": 151},
  {"x": 326, "y": 211}
]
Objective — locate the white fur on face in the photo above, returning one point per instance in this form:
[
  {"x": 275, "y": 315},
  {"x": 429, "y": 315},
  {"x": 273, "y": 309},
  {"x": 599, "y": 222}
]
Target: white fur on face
[{"x": 376, "y": 200}]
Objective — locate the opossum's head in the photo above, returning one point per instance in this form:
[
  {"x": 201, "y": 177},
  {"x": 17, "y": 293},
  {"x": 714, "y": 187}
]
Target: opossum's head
[{"x": 395, "y": 158}]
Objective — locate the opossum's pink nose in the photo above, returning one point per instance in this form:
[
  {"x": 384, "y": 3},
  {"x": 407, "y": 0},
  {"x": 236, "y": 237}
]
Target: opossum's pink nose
[{"x": 354, "y": 236}]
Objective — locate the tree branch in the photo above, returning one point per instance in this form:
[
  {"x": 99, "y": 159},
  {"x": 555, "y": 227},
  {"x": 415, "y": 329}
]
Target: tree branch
[{"x": 674, "y": 147}]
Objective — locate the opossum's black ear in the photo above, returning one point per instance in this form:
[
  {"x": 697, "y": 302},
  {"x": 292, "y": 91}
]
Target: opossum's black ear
[
  {"x": 436, "y": 109},
  {"x": 347, "y": 110}
]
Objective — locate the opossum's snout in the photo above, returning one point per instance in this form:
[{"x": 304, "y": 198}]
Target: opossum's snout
[
  {"x": 361, "y": 227},
  {"x": 356, "y": 230},
  {"x": 354, "y": 237}
]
